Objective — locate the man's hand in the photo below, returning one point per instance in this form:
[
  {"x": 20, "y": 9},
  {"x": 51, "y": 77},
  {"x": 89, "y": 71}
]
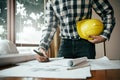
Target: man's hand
[
  {"x": 43, "y": 58},
  {"x": 97, "y": 39}
]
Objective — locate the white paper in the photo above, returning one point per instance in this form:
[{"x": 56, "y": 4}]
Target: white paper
[
  {"x": 104, "y": 63},
  {"x": 46, "y": 72},
  {"x": 25, "y": 71},
  {"x": 56, "y": 68}
]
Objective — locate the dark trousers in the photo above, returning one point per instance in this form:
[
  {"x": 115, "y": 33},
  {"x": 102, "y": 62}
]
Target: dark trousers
[{"x": 76, "y": 48}]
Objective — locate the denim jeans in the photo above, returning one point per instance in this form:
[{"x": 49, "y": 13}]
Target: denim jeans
[{"x": 76, "y": 48}]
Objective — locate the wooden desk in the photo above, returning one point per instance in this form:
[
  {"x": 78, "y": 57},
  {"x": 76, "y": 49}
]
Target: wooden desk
[{"x": 113, "y": 74}]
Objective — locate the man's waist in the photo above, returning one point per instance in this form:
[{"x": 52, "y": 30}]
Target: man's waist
[{"x": 70, "y": 37}]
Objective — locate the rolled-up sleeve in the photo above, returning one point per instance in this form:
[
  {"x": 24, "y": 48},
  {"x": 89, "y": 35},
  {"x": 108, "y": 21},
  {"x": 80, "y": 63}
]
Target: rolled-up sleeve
[
  {"x": 105, "y": 11},
  {"x": 50, "y": 27}
]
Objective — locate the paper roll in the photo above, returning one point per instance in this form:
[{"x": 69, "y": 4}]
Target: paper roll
[{"x": 77, "y": 61}]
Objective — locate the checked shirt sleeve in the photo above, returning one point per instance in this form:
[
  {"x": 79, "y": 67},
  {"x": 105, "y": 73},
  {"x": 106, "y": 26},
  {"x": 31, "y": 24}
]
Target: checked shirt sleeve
[
  {"x": 105, "y": 10},
  {"x": 50, "y": 27}
]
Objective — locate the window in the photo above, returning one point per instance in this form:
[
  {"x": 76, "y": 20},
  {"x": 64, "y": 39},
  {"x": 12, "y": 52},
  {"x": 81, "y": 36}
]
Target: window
[
  {"x": 29, "y": 17},
  {"x": 21, "y": 22},
  {"x": 3, "y": 19}
]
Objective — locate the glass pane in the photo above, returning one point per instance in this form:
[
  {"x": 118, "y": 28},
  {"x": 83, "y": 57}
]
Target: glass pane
[
  {"x": 3, "y": 19},
  {"x": 29, "y": 20}
]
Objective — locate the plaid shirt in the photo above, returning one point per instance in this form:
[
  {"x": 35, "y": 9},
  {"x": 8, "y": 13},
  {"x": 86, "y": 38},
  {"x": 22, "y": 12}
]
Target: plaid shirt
[{"x": 66, "y": 13}]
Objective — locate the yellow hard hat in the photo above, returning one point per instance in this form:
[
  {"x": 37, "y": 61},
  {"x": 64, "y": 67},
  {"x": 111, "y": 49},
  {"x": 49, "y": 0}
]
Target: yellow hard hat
[{"x": 89, "y": 27}]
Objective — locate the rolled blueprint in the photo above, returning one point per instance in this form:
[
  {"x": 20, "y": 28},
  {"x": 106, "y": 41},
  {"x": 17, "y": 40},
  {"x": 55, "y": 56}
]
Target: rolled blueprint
[
  {"x": 68, "y": 62},
  {"x": 74, "y": 62}
]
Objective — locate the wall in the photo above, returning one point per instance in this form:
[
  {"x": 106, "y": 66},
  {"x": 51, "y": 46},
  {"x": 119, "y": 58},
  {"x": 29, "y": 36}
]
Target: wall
[{"x": 113, "y": 45}]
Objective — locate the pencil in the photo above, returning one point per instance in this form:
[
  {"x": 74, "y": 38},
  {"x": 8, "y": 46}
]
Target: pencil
[{"x": 39, "y": 53}]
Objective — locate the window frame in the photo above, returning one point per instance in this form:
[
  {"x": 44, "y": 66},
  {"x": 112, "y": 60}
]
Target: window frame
[{"x": 11, "y": 20}]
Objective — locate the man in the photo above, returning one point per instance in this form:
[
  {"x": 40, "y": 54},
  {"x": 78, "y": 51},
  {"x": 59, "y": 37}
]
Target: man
[{"x": 66, "y": 13}]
